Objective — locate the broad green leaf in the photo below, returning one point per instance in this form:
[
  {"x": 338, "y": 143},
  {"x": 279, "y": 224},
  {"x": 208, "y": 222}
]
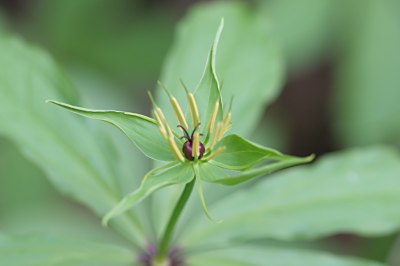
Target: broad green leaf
[
  {"x": 63, "y": 146},
  {"x": 273, "y": 256},
  {"x": 355, "y": 191},
  {"x": 214, "y": 174},
  {"x": 115, "y": 38},
  {"x": 155, "y": 179},
  {"x": 142, "y": 131},
  {"x": 28, "y": 202},
  {"x": 248, "y": 63},
  {"x": 240, "y": 153},
  {"x": 366, "y": 98},
  {"x": 41, "y": 250}
]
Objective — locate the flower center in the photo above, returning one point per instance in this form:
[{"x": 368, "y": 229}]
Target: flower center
[
  {"x": 187, "y": 147},
  {"x": 193, "y": 149}
]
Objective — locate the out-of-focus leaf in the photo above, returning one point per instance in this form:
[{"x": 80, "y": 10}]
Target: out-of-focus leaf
[
  {"x": 141, "y": 130},
  {"x": 355, "y": 191},
  {"x": 60, "y": 144},
  {"x": 304, "y": 28},
  {"x": 154, "y": 180},
  {"x": 248, "y": 64},
  {"x": 41, "y": 250},
  {"x": 28, "y": 202},
  {"x": 124, "y": 39},
  {"x": 20, "y": 177},
  {"x": 367, "y": 94},
  {"x": 276, "y": 256}
]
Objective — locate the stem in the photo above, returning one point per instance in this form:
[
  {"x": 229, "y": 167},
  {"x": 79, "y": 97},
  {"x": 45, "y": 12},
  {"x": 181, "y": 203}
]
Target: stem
[{"x": 166, "y": 239}]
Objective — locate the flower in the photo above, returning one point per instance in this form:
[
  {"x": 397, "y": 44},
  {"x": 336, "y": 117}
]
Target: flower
[
  {"x": 196, "y": 153},
  {"x": 211, "y": 155}
]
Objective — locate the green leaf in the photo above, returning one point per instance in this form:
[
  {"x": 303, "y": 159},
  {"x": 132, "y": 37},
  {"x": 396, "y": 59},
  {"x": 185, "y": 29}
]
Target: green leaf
[
  {"x": 64, "y": 147},
  {"x": 157, "y": 178},
  {"x": 121, "y": 44},
  {"x": 50, "y": 251},
  {"x": 141, "y": 130},
  {"x": 214, "y": 174},
  {"x": 248, "y": 63},
  {"x": 366, "y": 97},
  {"x": 240, "y": 153},
  {"x": 275, "y": 256},
  {"x": 355, "y": 191}
]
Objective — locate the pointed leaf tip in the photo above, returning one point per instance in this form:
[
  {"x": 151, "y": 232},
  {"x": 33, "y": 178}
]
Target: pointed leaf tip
[{"x": 141, "y": 130}]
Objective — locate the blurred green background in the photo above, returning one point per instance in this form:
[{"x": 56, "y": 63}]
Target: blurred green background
[{"x": 341, "y": 89}]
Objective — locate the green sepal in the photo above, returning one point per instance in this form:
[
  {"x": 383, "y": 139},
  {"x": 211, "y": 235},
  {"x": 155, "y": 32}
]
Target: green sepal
[
  {"x": 166, "y": 175},
  {"x": 240, "y": 153},
  {"x": 208, "y": 87},
  {"x": 141, "y": 130},
  {"x": 198, "y": 174},
  {"x": 214, "y": 174}
]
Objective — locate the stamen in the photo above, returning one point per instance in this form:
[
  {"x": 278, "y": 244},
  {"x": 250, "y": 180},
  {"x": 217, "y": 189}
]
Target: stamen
[
  {"x": 225, "y": 124},
  {"x": 153, "y": 102},
  {"x": 216, "y": 153},
  {"x": 194, "y": 111},
  {"x": 195, "y": 145},
  {"x": 160, "y": 125},
  {"x": 178, "y": 112},
  {"x": 211, "y": 123},
  {"x": 216, "y": 135},
  {"x": 163, "y": 120},
  {"x": 174, "y": 148}
]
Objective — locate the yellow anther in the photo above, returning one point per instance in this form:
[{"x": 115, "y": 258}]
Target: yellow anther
[
  {"x": 178, "y": 112},
  {"x": 196, "y": 144},
  {"x": 210, "y": 125},
  {"x": 160, "y": 114},
  {"x": 174, "y": 148},
  {"x": 215, "y": 136},
  {"x": 225, "y": 124},
  {"x": 194, "y": 111},
  {"x": 216, "y": 153},
  {"x": 160, "y": 125}
]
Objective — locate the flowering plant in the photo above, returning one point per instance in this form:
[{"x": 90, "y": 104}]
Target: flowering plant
[{"x": 208, "y": 155}]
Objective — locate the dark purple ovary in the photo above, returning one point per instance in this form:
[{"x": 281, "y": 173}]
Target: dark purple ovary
[{"x": 188, "y": 148}]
